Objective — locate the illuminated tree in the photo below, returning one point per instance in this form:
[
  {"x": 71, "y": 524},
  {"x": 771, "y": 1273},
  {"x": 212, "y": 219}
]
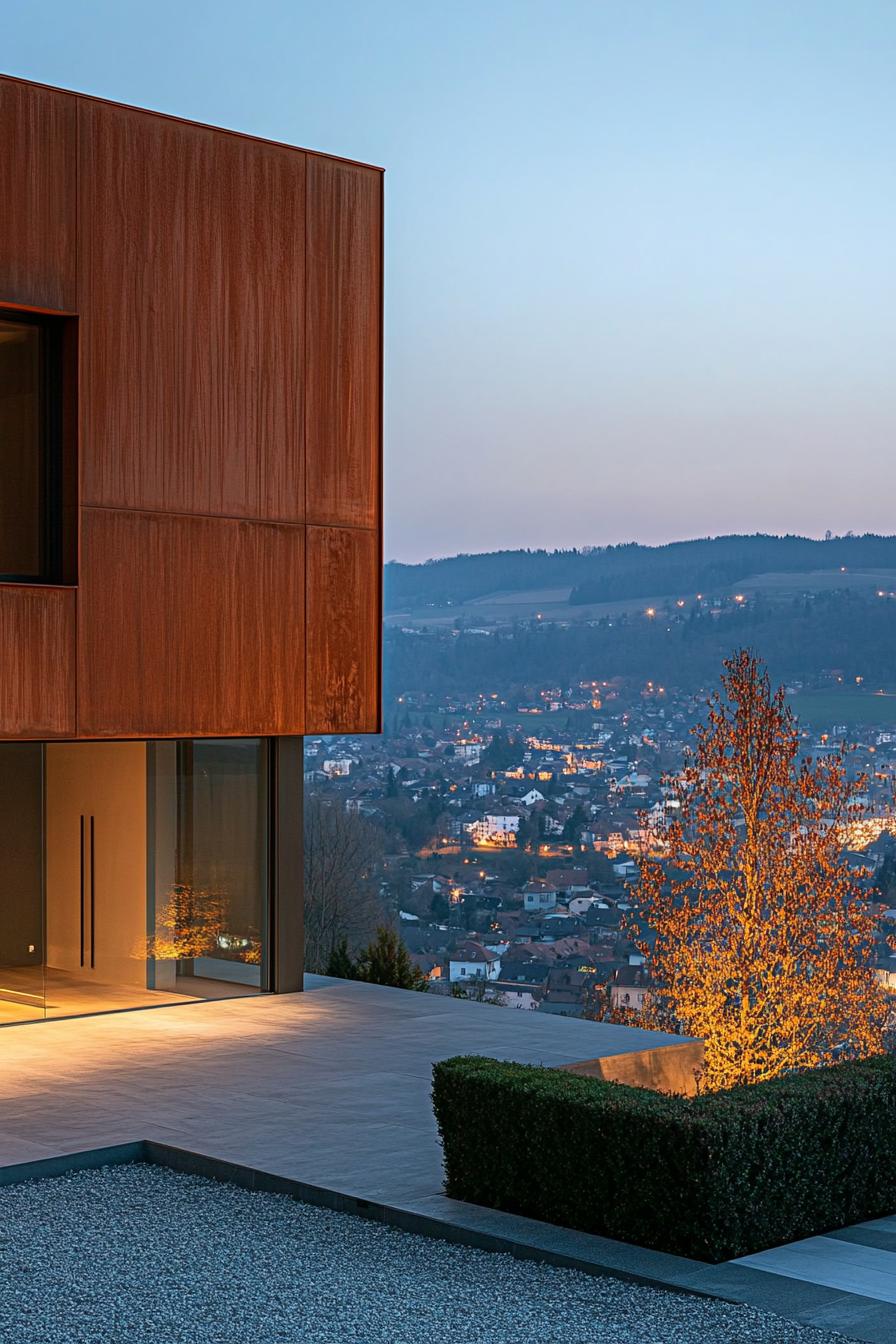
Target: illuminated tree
[{"x": 758, "y": 932}]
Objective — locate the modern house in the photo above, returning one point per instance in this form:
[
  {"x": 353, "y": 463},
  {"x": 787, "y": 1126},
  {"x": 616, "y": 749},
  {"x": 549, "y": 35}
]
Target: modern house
[{"x": 190, "y": 542}]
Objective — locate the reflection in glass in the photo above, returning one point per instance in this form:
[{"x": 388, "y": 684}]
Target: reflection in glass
[{"x": 209, "y": 857}]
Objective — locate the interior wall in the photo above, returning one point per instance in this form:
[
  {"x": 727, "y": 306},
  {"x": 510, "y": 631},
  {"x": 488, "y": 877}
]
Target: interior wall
[
  {"x": 105, "y": 781},
  {"x": 21, "y": 849}
]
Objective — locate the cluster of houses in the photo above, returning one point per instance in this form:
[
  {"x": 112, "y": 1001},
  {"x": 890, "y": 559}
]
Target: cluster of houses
[
  {"x": 496, "y": 782},
  {"x": 556, "y": 944},
  {"x": 512, "y": 831}
]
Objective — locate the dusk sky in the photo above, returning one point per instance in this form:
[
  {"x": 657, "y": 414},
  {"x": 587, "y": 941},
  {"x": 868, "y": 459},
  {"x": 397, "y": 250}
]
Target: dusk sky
[{"x": 640, "y": 257}]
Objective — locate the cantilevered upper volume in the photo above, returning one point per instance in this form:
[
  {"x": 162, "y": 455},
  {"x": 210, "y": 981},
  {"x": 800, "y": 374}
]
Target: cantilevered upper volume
[{"x": 190, "y": 484}]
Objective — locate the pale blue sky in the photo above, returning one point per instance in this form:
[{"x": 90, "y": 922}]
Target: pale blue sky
[{"x": 641, "y": 255}]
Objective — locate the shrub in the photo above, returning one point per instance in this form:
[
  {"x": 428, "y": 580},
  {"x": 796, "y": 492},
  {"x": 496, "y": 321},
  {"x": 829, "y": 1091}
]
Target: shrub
[
  {"x": 385, "y": 961},
  {"x": 341, "y": 963},
  {"x": 710, "y": 1177}
]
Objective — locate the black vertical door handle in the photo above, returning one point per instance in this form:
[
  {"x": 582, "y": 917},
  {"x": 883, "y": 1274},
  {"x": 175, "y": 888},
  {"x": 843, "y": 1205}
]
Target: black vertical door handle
[
  {"x": 82, "y": 888},
  {"x": 92, "y": 896}
]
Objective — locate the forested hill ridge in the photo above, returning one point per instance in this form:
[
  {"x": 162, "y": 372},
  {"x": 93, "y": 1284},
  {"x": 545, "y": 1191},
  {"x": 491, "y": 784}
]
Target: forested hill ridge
[{"x": 609, "y": 573}]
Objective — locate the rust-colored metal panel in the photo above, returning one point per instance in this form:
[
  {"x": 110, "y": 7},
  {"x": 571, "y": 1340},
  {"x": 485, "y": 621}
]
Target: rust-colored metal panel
[
  {"x": 228, "y": 295},
  {"x": 190, "y": 627},
  {"x": 38, "y": 165},
  {"x": 37, "y": 640},
  {"x": 343, "y": 625},
  {"x": 343, "y": 412},
  {"x": 192, "y": 257}
]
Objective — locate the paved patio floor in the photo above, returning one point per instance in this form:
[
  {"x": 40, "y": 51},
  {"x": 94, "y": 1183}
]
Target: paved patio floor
[
  {"x": 332, "y": 1088},
  {"x": 332, "y": 1085}
]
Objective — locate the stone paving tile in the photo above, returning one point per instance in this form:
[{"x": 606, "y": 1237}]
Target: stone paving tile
[{"x": 855, "y": 1317}]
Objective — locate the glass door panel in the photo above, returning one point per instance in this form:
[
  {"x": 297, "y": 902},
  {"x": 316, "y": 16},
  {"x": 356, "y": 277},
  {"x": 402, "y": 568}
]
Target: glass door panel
[{"x": 209, "y": 861}]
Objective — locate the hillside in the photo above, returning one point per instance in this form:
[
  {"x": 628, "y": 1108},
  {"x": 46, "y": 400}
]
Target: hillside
[
  {"x": 631, "y": 571},
  {"x": 802, "y": 639}
]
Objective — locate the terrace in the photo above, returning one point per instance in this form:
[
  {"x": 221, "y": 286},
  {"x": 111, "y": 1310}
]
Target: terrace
[{"x": 326, "y": 1095}]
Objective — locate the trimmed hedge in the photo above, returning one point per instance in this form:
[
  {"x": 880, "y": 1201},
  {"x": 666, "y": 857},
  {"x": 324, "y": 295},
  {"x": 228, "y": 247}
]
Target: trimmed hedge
[{"x": 709, "y": 1177}]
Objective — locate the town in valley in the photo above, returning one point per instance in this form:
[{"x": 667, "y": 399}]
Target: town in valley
[{"x": 503, "y": 823}]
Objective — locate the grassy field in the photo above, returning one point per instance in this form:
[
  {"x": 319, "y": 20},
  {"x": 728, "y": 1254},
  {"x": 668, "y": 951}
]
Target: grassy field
[
  {"x": 823, "y": 708},
  {"x": 503, "y": 608},
  {"x": 818, "y": 581},
  {"x": 552, "y": 603}
]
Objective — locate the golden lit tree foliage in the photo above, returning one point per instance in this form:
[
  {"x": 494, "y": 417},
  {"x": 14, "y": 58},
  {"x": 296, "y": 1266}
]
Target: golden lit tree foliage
[
  {"x": 195, "y": 922},
  {"x": 189, "y": 923},
  {"x": 759, "y": 935}
]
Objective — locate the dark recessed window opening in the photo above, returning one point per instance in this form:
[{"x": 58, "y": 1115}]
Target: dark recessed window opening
[{"x": 31, "y": 509}]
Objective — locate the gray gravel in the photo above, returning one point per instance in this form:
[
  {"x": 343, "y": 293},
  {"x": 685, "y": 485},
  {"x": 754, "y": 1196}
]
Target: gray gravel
[{"x": 139, "y": 1253}]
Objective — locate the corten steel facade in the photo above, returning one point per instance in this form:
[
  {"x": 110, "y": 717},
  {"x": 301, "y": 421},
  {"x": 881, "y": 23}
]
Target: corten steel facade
[{"x": 205, "y": 311}]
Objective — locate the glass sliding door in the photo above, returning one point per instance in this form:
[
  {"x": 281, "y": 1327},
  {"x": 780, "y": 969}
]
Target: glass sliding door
[
  {"x": 209, "y": 866},
  {"x": 132, "y": 874},
  {"x": 22, "y": 976}
]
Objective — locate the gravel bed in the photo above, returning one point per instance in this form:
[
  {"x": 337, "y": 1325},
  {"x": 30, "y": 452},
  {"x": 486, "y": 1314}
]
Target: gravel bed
[{"x": 138, "y": 1254}]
